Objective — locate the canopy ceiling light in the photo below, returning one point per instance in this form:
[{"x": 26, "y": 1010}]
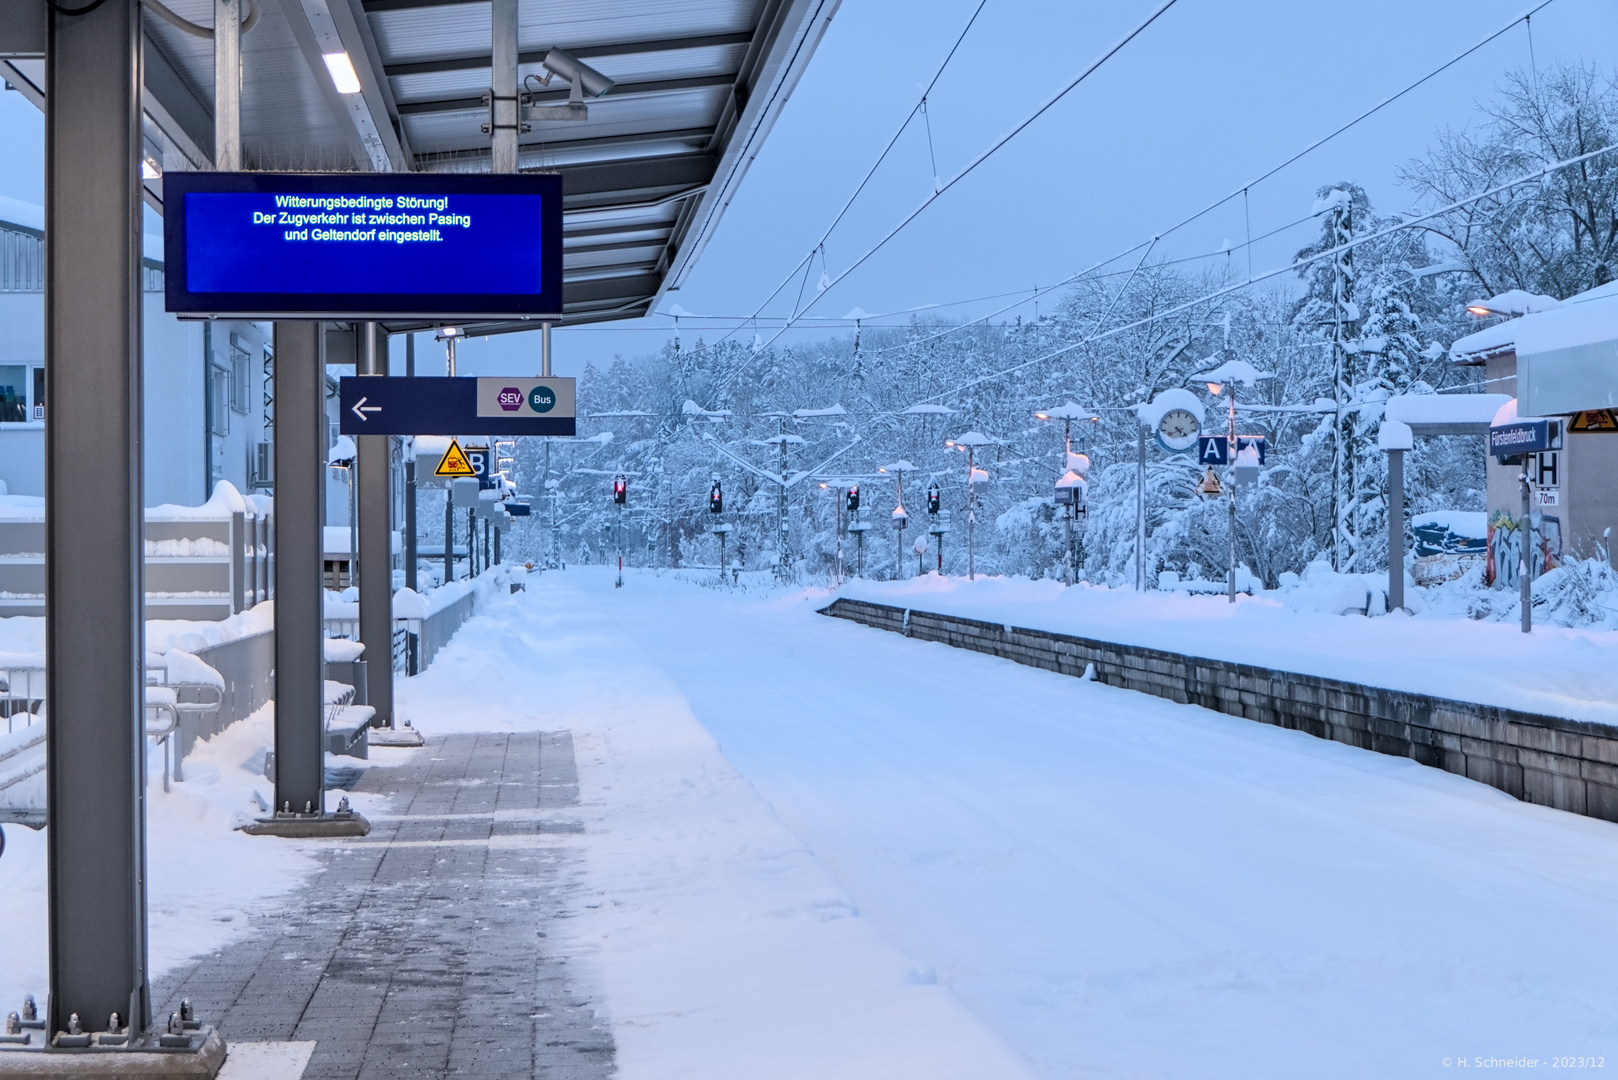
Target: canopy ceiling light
[{"x": 343, "y": 75}]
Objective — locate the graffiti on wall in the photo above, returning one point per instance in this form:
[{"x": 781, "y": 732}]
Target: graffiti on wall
[{"x": 1502, "y": 565}]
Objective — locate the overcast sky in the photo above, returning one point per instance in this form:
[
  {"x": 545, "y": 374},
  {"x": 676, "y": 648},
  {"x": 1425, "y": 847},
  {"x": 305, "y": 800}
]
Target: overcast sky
[{"x": 1209, "y": 97}]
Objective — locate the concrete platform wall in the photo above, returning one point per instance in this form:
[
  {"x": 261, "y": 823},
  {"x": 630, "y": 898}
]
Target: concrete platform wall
[
  {"x": 247, "y": 665},
  {"x": 1567, "y": 764}
]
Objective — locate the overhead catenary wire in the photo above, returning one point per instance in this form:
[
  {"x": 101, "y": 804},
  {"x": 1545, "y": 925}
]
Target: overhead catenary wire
[
  {"x": 886, "y": 150},
  {"x": 994, "y": 147},
  {"x": 1243, "y": 190},
  {"x": 1292, "y": 267},
  {"x": 1022, "y": 296}
]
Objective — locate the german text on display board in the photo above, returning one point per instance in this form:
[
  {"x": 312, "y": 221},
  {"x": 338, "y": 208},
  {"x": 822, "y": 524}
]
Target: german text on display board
[{"x": 363, "y": 245}]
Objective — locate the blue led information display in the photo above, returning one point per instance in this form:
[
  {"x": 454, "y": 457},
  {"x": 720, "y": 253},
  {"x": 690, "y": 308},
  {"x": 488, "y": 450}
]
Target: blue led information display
[{"x": 363, "y": 245}]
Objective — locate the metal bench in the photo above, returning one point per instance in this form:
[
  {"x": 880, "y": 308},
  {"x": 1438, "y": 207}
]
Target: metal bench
[{"x": 347, "y": 724}]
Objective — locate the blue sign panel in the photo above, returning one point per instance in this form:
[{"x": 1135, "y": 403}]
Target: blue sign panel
[
  {"x": 1215, "y": 449},
  {"x": 363, "y": 245},
  {"x": 1524, "y": 437},
  {"x": 478, "y": 458},
  {"x": 378, "y": 405}
]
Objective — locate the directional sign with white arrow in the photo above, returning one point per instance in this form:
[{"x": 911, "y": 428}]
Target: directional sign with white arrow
[{"x": 380, "y": 405}]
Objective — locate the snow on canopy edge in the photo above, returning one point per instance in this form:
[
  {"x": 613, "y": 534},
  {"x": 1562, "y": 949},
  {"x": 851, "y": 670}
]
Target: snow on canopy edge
[{"x": 1444, "y": 408}]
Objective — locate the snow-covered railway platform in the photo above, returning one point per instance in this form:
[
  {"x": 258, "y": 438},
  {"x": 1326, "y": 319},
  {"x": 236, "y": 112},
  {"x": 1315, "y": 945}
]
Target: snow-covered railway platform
[
  {"x": 422, "y": 949},
  {"x": 795, "y": 847}
]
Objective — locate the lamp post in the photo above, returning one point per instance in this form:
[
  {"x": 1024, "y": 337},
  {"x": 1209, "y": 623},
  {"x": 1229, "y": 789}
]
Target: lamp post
[
  {"x": 449, "y": 335},
  {"x": 970, "y": 442},
  {"x": 1228, "y": 376},
  {"x": 1075, "y": 467}
]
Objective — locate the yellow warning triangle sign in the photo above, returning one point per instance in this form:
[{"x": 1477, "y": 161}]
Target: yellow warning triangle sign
[
  {"x": 454, "y": 463},
  {"x": 1595, "y": 420}
]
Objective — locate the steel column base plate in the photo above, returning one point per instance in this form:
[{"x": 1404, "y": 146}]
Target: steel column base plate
[
  {"x": 105, "y": 1062},
  {"x": 402, "y": 736},
  {"x": 308, "y": 825}
]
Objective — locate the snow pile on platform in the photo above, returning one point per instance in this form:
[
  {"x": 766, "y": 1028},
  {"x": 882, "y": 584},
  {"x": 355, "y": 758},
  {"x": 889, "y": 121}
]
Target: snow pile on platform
[{"x": 207, "y": 883}]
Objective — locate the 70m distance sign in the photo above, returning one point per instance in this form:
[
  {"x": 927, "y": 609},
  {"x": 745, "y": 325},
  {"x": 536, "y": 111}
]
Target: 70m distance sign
[{"x": 373, "y": 405}]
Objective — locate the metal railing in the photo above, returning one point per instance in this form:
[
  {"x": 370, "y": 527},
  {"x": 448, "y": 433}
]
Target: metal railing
[{"x": 22, "y": 692}]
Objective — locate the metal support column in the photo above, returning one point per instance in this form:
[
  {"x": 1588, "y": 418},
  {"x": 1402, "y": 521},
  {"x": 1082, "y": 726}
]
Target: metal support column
[
  {"x": 96, "y": 768},
  {"x": 1525, "y": 533},
  {"x": 300, "y": 631},
  {"x": 1396, "y": 530},
  {"x": 375, "y": 483},
  {"x": 1140, "y": 511},
  {"x": 449, "y": 535},
  {"x": 412, "y": 578},
  {"x": 227, "y": 82},
  {"x": 504, "y": 113},
  {"x": 300, "y": 473}
]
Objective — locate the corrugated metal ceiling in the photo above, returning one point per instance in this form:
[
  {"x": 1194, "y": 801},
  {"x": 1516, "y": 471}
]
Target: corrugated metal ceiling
[{"x": 645, "y": 177}]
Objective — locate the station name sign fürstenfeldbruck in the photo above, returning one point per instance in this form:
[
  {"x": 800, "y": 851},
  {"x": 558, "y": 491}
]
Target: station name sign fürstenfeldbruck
[
  {"x": 363, "y": 245},
  {"x": 1524, "y": 437},
  {"x": 378, "y": 405}
]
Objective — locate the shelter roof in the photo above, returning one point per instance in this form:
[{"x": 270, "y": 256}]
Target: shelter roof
[
  {"x": 645, "y": 178},
  {"x": 1573, "y": 322}
]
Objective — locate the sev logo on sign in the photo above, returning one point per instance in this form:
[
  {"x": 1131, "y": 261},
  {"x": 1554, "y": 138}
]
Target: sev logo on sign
[{"x": 455, "y": 462}]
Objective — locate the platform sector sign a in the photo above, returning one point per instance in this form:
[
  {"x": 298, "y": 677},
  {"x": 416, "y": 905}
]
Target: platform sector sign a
[{"x": 363, "y": 245}]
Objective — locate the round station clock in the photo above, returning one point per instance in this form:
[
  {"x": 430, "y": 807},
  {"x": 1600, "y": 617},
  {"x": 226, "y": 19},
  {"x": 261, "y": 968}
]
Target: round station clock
[{"x": 1177, "y": 430}]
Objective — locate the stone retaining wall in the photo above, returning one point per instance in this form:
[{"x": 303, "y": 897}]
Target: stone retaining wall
[{"x": 1567, "y": 764}]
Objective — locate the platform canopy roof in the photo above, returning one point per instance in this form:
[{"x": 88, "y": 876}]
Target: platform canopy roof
[{"x": 645, "y": 178}]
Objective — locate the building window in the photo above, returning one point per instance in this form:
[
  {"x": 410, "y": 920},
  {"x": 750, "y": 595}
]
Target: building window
[
  {"x": 219, "y": 400},
  {"x": 241, "y": 380},
  {"x": 22, "y": 261},
  {"x": 13, "y": 394}
]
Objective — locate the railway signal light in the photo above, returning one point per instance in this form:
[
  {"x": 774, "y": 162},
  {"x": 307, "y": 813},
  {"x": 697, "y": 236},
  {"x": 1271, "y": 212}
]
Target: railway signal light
[
  {"x": 716, "y": 499},
  {"x": 932, "y": 498},
  {"x": 853, "y": 498},
  {"x": 620, "y": 490}
]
